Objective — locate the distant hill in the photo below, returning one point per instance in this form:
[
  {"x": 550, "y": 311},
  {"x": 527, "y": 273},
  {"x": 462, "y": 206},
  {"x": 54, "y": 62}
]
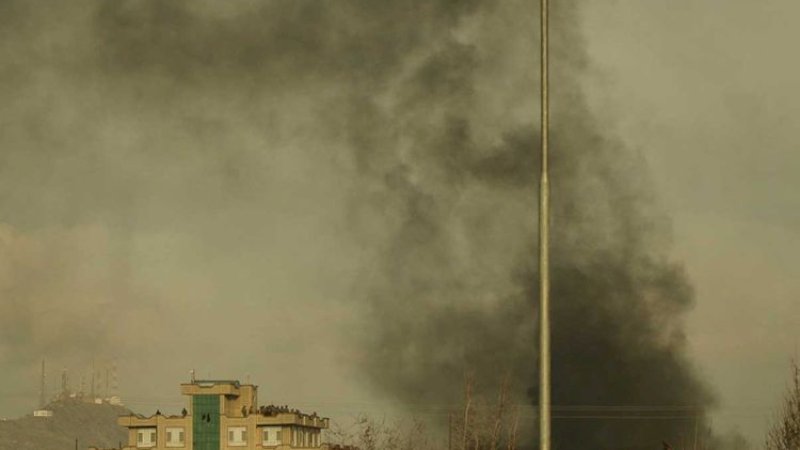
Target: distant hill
[{"x": 93, "y": 425}]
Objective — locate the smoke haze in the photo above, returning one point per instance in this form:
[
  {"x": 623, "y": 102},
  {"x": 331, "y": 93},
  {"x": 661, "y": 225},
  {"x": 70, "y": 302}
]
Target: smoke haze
[
  {"x": 456, "y": 289},
  {"x": 295, "y": 188}
]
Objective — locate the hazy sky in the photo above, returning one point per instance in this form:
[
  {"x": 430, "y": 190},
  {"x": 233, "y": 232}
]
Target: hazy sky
[
  {"x": 710, "y": 92},
  {"x": 174, "y": 216}
]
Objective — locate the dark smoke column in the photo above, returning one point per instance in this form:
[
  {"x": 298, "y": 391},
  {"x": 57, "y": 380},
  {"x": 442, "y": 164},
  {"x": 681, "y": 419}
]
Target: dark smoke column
[{"x": 444, "y": 191}]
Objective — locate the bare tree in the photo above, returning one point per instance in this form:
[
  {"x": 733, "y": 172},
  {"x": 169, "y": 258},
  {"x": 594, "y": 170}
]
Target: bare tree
[
  {"x": 500, "y": 413},
  {"x": 468, "y": 380},
  {"x": 512, "y": 430},
  {"x": 785, "y": 433},
  {"x": 487, "y": 423},
  {"x": 367, "y": 433}
]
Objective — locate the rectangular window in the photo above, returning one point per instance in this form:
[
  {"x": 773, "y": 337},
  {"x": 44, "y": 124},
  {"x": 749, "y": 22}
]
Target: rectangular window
[
  {"x": 237, "y": 436},
  {"x": 175, "y": 437},
  {"x": 146, "y": 438},
  {"x": 271, "y": 436}
]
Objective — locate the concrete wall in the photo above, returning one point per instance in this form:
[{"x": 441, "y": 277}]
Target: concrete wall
[{"x": 247, "y": 397}]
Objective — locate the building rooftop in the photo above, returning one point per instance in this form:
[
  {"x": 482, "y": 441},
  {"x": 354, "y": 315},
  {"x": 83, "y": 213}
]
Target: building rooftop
[
  {"x": 212, "y": 382},
  {"x": 237, "y": 401},
  {"x": 216, "y": 387}
]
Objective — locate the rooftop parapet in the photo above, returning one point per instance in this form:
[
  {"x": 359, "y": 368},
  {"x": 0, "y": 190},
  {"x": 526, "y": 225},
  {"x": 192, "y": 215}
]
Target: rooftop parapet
[
  {"x": 212, "y": 387},
  {"x": 291, "y": 418},
  {"x": 138, "y": 420}
]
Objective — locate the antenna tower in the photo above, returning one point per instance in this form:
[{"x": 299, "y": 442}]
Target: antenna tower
[
  {"x": 64, "y": 390},
  {"x": 114, "y": 379},
  {"x": 42, "y": 399},
  {"x": 93, "y": 382}
]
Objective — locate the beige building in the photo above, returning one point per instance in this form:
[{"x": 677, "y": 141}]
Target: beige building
[{"x": 224, "y": 415}]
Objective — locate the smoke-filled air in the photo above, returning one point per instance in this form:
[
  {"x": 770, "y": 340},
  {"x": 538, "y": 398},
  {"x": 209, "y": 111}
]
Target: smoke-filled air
[{"x": 338, "y": 200}]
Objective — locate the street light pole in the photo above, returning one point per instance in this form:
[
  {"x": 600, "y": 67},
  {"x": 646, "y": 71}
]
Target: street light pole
[{"x": 544, "y": 235}]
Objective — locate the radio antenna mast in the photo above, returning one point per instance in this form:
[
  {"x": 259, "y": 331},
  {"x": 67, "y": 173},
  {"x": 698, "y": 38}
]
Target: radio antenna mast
[{"x": 42, "y": 399}]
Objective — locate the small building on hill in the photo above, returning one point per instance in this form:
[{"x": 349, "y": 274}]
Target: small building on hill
[
  {"x": 43, "y": 413},
  {"x": 224, "y": 415}
]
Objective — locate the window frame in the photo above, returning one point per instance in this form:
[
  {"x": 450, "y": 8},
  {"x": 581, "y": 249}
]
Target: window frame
[
  {"x": 180, "y": 432},
  {"x": 271, "y": 436},
  {"x": 237, "y": 431},
  {"x": 151, "y": 433}
]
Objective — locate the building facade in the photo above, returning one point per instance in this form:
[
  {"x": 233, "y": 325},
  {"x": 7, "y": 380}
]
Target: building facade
[{"x": 223, "y": 415}]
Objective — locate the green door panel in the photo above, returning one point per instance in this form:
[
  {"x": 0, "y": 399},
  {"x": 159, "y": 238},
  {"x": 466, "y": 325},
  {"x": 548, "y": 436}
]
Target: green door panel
[{"x": 205, "y": 422}]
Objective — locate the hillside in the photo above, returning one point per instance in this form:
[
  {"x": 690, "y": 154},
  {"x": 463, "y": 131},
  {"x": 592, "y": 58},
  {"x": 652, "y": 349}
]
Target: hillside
[{"x": 91, "y": 424}]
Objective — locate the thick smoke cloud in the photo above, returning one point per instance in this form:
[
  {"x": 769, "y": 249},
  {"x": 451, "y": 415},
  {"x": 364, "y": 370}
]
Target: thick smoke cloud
[
  {"x": 299, "y": 159},
  {"x": 456, "y": 290}
]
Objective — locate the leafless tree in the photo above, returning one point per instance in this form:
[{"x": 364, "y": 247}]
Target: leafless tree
[
  {"x": 486, "y": 423},
  {"x": 785, "y": 432},
  {"x": 512, "y": 430},
  {"x": 466, "y": 425}
]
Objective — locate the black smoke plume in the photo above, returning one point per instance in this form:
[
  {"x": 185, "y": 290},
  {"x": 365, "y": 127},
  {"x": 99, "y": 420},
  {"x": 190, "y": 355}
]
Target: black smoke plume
[{"x": 455, "y": 290}]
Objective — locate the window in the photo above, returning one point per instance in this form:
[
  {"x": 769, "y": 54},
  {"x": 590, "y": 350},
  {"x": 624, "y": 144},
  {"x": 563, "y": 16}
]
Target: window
[
  {"x": 271, "y": 436},
  {"x": 146, "y": 437},
  {"x": 175, "y": 437},
  {"x": 237, "y": 436}
]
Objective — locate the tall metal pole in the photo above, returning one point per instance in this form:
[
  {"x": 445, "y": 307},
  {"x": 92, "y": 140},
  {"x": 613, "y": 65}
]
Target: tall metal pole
[
  {"x": 544, "y": 254},
  {"x": 42, "y": 399},
  {"x": 93, "y": 381}
]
